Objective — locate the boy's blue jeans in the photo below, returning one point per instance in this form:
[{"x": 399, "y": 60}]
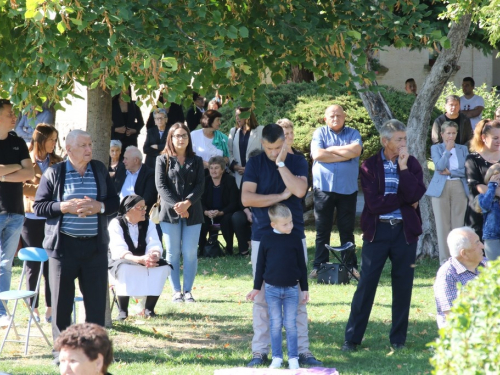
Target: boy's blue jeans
[{"x": 282, "y": 303}]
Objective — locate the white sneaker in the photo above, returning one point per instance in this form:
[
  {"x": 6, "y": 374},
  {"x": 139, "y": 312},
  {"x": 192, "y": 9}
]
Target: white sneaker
[
  {"x": 4, "y": 321},
  {"x": 276, "y": 363},
  {"x": 293, "y": 363}
]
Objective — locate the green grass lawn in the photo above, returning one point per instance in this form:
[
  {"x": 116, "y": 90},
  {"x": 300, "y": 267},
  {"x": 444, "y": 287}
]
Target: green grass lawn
[{"x": 216, "y": 331}]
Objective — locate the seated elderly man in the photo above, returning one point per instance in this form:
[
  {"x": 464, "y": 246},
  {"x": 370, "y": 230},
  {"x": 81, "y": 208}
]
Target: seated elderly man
[
  {"x": 466, "y": 252},
  {"x": 136, "y": 267}
]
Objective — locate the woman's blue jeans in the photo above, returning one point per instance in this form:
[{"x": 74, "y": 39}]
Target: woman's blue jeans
[
  {"x": 283, "y": 303},
  {"x": 181, "y": 238}
]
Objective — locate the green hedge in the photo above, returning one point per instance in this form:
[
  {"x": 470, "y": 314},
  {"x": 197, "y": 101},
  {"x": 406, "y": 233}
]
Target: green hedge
[
  {"x": 470, "y": 342},
  {"x": 305, "y": 106}
]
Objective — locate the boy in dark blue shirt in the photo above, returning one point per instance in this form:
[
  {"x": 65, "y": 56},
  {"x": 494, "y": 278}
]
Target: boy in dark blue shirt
[{"x": 280, "y": 268}]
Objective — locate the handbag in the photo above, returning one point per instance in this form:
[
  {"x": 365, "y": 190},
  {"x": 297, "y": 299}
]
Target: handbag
[
  {"x": 332, "y": 273},
  {"x": 213, "y": 248},
  {"x": 154, "y": 213}
]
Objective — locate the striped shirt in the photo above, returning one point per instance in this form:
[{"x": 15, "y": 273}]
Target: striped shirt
[
  {"x": 76, "y": 186},
  {"x": 391, "y": 185}
]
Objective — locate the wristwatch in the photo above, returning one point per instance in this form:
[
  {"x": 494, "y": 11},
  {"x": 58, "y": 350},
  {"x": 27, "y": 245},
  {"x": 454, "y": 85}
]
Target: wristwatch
[
  {"x": 280, "y": 164},
  {"x": 102, "y": 208}
]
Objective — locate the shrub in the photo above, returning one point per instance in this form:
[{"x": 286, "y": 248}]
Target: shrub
[{"x": 469, "y": 344}]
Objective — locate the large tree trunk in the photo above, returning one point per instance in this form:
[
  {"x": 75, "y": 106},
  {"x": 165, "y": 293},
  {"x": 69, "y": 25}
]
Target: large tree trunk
[
  {"x": 420, "y": 114},
  {"x": 99, "y": 122},
  {"x": 99, "y": 127},
  {"x": 300, "y": 74}
]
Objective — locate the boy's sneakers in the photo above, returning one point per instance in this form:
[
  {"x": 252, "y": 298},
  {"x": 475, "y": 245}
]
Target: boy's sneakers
[
  {"x": 178, "y": 297},
  {"x": 293, "y": 363},
  {"x": 277, "y": 362},
  {"x": 188, "y": 297}
]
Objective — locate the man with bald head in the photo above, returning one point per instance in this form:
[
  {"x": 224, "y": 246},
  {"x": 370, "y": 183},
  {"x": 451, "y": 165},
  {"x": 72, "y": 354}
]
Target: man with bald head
[
  {"x": 335, "y": 149},
  {"x": 76, "y": 196}
]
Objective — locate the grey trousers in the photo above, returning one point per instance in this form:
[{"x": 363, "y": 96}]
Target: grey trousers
[{"x": 261, "y": 341}]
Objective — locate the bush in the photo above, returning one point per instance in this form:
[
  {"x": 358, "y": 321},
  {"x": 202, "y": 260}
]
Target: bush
[
  {"x": 469, "y": 344},
  {"x": 305, "y": 106}
]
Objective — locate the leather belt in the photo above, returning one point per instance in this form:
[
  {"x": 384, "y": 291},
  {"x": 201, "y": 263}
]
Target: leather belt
[
  {"x": 391, "y": 221},
  {"x": 83, "y": 238}
]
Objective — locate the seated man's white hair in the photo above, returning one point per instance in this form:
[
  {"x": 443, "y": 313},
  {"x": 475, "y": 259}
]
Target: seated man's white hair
[
  {"x": 136, "y": 153},
  {"x": 74, "y": 134},
  {"x": 458, "y": 240}
]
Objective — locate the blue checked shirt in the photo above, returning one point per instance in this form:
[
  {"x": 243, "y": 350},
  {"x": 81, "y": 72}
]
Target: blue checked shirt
[
  {"x": 391, "y": 185},
  {"x": 449, "y": 275}
]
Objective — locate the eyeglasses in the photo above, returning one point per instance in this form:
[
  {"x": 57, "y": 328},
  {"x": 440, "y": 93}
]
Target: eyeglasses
[
  {"x": 180, "y": 136},
  {"x": 159, "y": 118},
  {"x": 141, "y": 208}
]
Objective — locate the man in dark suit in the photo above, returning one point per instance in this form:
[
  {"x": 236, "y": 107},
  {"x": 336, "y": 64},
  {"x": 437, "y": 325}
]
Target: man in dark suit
[
  {"x": 194, "y": 113},
  {"x": 136, "y": 178}
]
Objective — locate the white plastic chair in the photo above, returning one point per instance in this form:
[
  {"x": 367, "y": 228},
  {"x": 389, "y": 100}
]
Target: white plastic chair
[{"x": 33, "y": 254}]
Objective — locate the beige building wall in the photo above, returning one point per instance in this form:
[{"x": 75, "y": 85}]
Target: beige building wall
[{"x": 403, "y": 64}]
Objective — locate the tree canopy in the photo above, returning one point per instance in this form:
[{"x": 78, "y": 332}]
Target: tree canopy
[{"x": 185, "y": 45}]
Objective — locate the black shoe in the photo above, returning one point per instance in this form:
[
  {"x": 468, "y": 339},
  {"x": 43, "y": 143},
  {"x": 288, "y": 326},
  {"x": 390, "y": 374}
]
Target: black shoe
[
  {"x": 349, "y": 346},
  {"x": 122, "y": 316},
  {"x": 149, "y": 314},
  {"x": 258, "y": 360},
  {"x": 307, "y": 359},
  {"x": 398, "y": 346}
]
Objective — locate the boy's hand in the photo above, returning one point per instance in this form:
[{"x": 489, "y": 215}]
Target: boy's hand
[
  {"x": 252, "y": 294},
  {"x": 305, "y": 297}
]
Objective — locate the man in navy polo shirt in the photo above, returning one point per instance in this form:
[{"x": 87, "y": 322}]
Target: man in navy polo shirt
[
  {"x": 271, "y": 177},
  {"x": 15, "y": 168},
  {"x": 335, "y": 149}
]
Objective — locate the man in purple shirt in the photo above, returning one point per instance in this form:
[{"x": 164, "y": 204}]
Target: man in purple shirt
[
  {"x": 392, "y": 183},
  {"x": 466, "y": 252}
]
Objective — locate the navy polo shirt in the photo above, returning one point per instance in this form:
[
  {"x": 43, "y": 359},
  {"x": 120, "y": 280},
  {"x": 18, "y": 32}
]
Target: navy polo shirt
[{"x": 264, "y": 172}]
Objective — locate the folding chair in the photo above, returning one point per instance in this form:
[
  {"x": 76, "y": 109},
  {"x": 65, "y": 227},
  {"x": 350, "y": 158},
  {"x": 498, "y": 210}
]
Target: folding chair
[
  {"x": 33, "y": 254},
  {"x": 340, "y": 249}
]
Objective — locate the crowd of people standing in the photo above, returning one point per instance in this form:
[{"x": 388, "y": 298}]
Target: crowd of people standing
[{"x": 204, "y": 179}]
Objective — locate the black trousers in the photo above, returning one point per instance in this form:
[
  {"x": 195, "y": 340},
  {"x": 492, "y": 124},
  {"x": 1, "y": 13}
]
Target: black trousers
[
  {"x": 226, "y": 227},
  {"x": 82, "y": 260},
  {"x": 32, "y": 234},
  {"x": 389, "y": 243},
  {"x": 243, "y": 230},
  {"x": 325, "y": 204}
]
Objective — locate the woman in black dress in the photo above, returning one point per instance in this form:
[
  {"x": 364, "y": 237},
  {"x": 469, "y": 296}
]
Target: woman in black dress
[{"x": 485, "y": 151}]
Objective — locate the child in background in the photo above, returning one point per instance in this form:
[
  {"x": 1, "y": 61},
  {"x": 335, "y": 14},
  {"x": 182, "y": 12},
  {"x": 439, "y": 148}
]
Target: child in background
[
  {"x": 281, "y": 267},
  {"x": 490, "y": 207}
]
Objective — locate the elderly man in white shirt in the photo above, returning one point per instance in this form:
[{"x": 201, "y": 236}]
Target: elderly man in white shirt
[{"x": 136, "y": 266}]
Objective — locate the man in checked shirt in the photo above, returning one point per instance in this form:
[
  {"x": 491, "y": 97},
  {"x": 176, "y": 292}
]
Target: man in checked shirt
[{"x": 466, "y": 252}]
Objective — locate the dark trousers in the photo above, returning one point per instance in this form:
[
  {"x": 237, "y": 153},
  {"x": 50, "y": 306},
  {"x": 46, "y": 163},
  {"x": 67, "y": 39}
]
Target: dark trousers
[
  {"x": 82, "y": 260},
  {"x": 243, "y": 230},
  {"x": 389, "y": 242},
  {"x": 226, "y": 227},
  {"x": 325, "y": 204},
  {"x": 150, "y": 303},
  {"x": 32, "y": 234}
]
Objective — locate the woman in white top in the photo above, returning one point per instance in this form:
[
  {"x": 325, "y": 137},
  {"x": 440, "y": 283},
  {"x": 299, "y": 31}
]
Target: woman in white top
[
  {"x": 210, "y": 141},
  {"x": 244, "y": 138},
  {"x": 448, "y": 187},
  {"x": 136, "y": 267}
]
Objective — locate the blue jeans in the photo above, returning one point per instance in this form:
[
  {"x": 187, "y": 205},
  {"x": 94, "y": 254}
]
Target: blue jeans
[
  {"x": 283, "y": 303},
  {"x": 181, "y": 238},
  {"x": 10, "y": 231}
]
